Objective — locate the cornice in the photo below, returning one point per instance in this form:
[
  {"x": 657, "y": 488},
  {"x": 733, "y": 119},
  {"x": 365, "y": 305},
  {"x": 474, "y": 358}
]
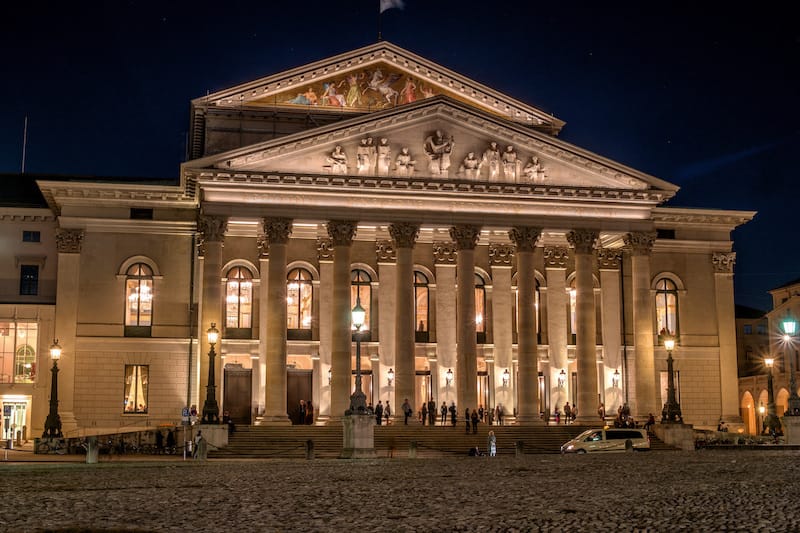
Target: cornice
[
  {"x": 59, "y": 193},
  {"x": 112, "y": 225},
  {"x": 26, "y": 215},
  {"x": 674, "y": 216}
]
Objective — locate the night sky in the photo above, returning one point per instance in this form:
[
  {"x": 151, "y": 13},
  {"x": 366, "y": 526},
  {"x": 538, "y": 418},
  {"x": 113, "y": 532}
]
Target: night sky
[{"x": 703, "y": 97}]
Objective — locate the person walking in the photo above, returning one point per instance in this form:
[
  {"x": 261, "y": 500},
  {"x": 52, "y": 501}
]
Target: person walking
[
  {"x": 453, "y": 413},
  {"x": 406, "y": 411},
  {"x": 444, "y": 413},
  {"x": 424, "y": 412},
  {"x": 387, "y": 412},
  {"x": 474, "y": 418},
  {"x": 491, "y": 440},
  {"x": 379, "y": 413},
  {"x": 467, "y": 419}
]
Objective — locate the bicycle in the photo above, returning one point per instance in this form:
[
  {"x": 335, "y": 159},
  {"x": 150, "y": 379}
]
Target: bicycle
[{"x": 57, "y": 446}]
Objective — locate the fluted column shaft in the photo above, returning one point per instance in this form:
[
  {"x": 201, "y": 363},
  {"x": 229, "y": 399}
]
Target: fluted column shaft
[
  {"x": 213, "y": 236},
  {"x": 555, "y": 259},
  {"x": 585, "y": 343},
  {"x": 341, "y": 234},
  {"x": 466, "y": 238},
  {"x": 527, "y": 349}
]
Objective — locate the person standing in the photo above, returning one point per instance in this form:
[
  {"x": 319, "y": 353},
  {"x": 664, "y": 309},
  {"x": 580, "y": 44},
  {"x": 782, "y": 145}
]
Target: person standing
[
  {"x": 444, "y": 413},
  {"x": 480, "y": 412},
  {"x": 467, "y": 419},
  {"x": 379, "y": 413},
  {"x": 387, "y": 412},
  {"x": 491, "y": 440},
  {"x": 424, "y": 412},
  {"x": 406, "y": 411},
  {"x": 453, "y": 414},
  {"x": 431, "y": 412},
  {"x": 567, "y": 413},
  {"x": 159, "y": 442},
  {"x": 474, "y": 419},
  {"x": 601, "y": 411},
  {"x": 309, "y": 413}
]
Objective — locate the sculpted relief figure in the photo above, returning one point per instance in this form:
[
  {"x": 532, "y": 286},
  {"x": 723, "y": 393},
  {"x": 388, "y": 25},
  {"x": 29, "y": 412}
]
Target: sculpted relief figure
[
  {"x": 364, "y": 161},
  {"x": 534, "y": 171},
  {"x": 470, "y": 167},
  {"x": 384, "y": 157},
  {"x": 404, "y": 164},
  {"x": 438, "y": 148},
  {"x": 511, "y": 164},
  {"x": 491, "y": 159},
  {"x": 337, "y": 161}
]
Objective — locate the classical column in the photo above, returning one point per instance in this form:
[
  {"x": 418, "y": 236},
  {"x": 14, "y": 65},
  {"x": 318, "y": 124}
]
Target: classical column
[
  {"x": 386, "y": 256},
  {"x": 726, "y": 324},
  {"x": 404, "y": 236},
  {"x": 276, "y": 233},
  {"x": 646, "y": 399},
  {"x": 212, "y": 229},
  {"x": 444, "y": 255},
  {"x": 68, "y": 244},
  {"x": 609, "y": 262},
  {"x": 262, "y": 243},
  {"x": 555, "y": 262},
  {"x": 586, "y": 336},
  {"x": 324, "y": 297},
  {"x": 501, "y": 257},
  {"x": 527, "y": 350},
  {"x": 466, "y": 238},
  {"x": 341, "y": 234}
]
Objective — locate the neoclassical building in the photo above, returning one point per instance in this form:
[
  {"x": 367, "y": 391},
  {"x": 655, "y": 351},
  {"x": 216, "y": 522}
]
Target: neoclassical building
[{"x": 497, "y": 264}]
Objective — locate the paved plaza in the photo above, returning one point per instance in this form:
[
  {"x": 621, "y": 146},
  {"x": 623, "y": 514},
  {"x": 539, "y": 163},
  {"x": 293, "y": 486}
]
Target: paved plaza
[{"x": 652, "y": 491}]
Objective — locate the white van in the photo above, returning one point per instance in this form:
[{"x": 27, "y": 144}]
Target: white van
[{"x": 608, "y": 440}]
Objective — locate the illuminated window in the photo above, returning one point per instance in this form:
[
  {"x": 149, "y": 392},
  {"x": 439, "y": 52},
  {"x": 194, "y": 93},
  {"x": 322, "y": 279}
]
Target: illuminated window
[
  {"x": 480, "y": 308},
  {"x": 573, "y": 321},
  {"x": 239, "y": 299},
  {"x": 361, "y": 289},
  {"x": 299, "y": 299},
  {"x": 666, "y": 308},
  {"x": 139, "y": 300},
  {"x": 136, "y": 380},
  {"x": 421, "y": 307},
  {"x": 18, "y": 341}
]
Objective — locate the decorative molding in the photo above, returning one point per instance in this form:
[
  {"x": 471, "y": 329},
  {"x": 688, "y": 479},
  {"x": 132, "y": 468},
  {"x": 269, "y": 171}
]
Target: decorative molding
[
  {"x": 465, "y": 236},
  {"x": 324, "y": 249},
  {"x": 404, "y": 234},
  {"x": 277, "y": 230},
  {"x": 501, "y": 254},
  {"x": 212, "y": 228},
  {"x": 583, "y": 240},
  {"x": 39, "y": 260},
  {"x": 723, "y": 261},
  {"x": 524, "y": 237},
  {"x": 385, "y": 251},
  {"x": 609, "y": 258},
  {"x": 69, "y": 241},
  {"x": 262, "y": 243},
  {"x": 556, "y": 256},
  {"x": 341, "y": 232},
  {"x": 640, "y": 243},
  {"x": 444, "y": 253}
]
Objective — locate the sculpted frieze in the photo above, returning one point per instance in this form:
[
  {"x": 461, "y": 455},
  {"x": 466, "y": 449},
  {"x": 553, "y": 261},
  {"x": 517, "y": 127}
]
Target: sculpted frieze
[
  {"x": 556, "y": 256},
  {"x": 69, "y": 241},
  {"x": 723, "y": 261},
  {"x": 500, "y": 254}
]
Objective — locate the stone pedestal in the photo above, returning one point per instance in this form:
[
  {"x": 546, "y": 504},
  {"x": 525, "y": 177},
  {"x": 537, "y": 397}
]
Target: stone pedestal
[
  {"x": 791, "y": 427},
  {"x": 216, "y": 435},
  {"x": 358, "y": 437},
  {"x": 677, "y": 435}
]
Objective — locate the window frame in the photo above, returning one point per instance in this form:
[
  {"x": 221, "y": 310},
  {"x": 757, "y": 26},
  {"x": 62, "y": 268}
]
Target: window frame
[
  {"x": 480, "y": 295},
  {"x": 143, "y": 276},
  {"x": 145, "y": 384},
  {"x": 360, "y": 284},
  {"x": 28, "y": 280},
  {"x": 422, "y": 334},
  {"x": 299, "y": 333},
  {"x": 665, "y": 288},
  {"x": 242, "y": 277}
]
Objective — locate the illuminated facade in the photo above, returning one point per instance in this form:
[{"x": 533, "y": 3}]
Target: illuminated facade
[{"x": 380, "y": 176}]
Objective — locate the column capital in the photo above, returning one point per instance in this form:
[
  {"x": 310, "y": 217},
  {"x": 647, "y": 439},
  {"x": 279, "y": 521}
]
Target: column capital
[
  {"x": 277, "y": 230},
  {"x": 465, "y": 236},
  {"x": 404, "y": 234},
  {"x": 583, "y": 240},
  {"x": 324, "y": 249},
  {"x": 262, "y": 243},
  {"x": 500, "y": 254},
  {"x": 555, "y": 256},
  {"x": 640, "y": 242},
  {"x": 444, "y": 253},
  {"x": 723, "y": 262},
  {"x": 609, "y": 258},
  {"x": 385, "y": 251},
  {"x": 524, "y": 237},
  {"x": 69, "y": 241},
  {"x": 212, "y": 228},
  {"x": 342, "y": 232}
]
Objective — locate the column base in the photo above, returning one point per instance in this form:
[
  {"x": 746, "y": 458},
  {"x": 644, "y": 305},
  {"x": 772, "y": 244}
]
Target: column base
[
  {"x": 275, "y": 420},
  {"x": 522, "y": 420},
  {"x": 358, "y": 440}
]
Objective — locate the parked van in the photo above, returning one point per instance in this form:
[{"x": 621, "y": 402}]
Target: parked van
[{"x": 608, "y": 440}]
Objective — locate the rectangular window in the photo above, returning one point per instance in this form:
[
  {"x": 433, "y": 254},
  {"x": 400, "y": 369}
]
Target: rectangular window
[
  {"x": 29, "y": 280},
  {"x": 761, "y": 329},
  {"x": 31, "y": 236},
  {"x": 747, "y": 329},
  {"x": 136, "y": 379},
  {"x": 18, "y": 341}
]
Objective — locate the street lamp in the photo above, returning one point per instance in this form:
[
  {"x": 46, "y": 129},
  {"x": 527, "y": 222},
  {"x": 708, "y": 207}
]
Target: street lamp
[
  {"x": 506, "y": 378},
  {"x": 772, "y": 424},
  {"x": 789, "y": 329},
  {"x": 210, "y": 407},
  {"x": 358, "y": 400},
  {"x": 615, "y": 379},
  {"x": 671, "y": 413},
  {"x": 448, "y": 377},
  {"x": 390, "y": 376},
  {"x": 562, "y": 379},
  {"x": 52, "y": 425}
]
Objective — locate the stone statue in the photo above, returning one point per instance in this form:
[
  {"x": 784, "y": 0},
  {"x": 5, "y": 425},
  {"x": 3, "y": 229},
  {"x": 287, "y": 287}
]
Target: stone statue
[
  {"x": 470, "y": 167},
  {"x": 438, "y": 148},
  {"x": 404, "y": 163},
  {"x": 534, "y": 171},
  {"x": 337, "y": 161},
  {"x": 491, "y": 159},
  {"x": 511, "y": 164},
  {"x": 384, "y": 157},
  {"x": 364, "y": 161}
]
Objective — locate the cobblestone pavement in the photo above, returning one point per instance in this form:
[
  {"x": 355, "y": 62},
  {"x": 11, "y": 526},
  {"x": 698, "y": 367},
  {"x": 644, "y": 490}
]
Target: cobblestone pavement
[{"x": 654, "y": 491}]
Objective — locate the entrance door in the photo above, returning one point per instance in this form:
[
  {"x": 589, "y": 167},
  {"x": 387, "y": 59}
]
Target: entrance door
[
  {"x": 483, "y": 390},
  {"x": 238, "y": 393},
  {"x": 298, "y": 387}
]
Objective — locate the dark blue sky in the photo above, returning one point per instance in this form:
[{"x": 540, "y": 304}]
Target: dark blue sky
[{"x": 704, "y": 97}]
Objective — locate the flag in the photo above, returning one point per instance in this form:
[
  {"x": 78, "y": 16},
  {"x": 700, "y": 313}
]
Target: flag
[{"x": 389, "y": 4}]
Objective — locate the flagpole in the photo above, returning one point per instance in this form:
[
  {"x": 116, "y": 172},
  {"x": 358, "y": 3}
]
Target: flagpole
[
  {"x": 379, "y": 21},
  {"x": 24, "y": 142}
]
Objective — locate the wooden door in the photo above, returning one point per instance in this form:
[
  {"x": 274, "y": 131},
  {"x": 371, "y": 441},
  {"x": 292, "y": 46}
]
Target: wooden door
[
  {"x": 238, "y": 393},
  {"x": 298, "y": 387}
]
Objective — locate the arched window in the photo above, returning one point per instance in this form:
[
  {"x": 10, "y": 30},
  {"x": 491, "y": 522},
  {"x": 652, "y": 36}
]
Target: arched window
[
  {"x": 480, "y": 308},
  {"x": 666, "y": 308},
  {"x": 139, "y": 300},
  {"x": 25, "y": 363},
  {"x": 573, "y": 315},
  {"x": 361, "y": 290},
  {"x": 299, "y": 300},
  {"x": 421, "y": 307},
  {"x": 239, "y": 303}
]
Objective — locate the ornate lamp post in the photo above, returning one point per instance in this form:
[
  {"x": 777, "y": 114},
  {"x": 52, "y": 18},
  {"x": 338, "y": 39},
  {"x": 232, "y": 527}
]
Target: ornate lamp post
[
  {"x": 772, "y": 423},
  {"x": 52, "y": 425},
  {"x": 358, "y": 400},
  {"x": 671, "y": 413},
  {"x": 210, "y": 407},
  {"x": 789, "y": 330}
]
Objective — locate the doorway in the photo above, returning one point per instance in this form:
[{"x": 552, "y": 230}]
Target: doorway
[
  {"x": 238, "y": 393},
  {"x": 298, "y": 387}
]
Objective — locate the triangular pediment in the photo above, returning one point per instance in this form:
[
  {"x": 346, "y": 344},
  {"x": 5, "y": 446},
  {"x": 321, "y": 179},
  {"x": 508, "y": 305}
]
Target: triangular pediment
[
  {"x": 437, "y": 138},
  {"x": 374, "y": 78}
]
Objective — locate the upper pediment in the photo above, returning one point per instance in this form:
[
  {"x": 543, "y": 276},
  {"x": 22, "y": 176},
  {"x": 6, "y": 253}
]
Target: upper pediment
[
  {"x": 374, "y": 78},
  {"x": 436, "y": 138}
]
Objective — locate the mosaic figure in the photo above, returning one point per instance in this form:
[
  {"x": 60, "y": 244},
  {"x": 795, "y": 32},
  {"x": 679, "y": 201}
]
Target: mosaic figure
[
  {"x": 382, "y": 85},
  {"x": 408, "y": 92}
]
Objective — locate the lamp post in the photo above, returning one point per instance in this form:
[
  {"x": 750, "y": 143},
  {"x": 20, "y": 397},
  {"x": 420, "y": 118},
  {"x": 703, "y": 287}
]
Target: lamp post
[
  {"x": 789, "y": 329},
  {"x": 671, "y": 413},
  {"x": 772, "y": 423},
  {"x": 358, "y": 400},
  {"x": 52, "y": 425},
  {"x": 448, "y": 377},
  {"x": 210, "y": 407}
]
